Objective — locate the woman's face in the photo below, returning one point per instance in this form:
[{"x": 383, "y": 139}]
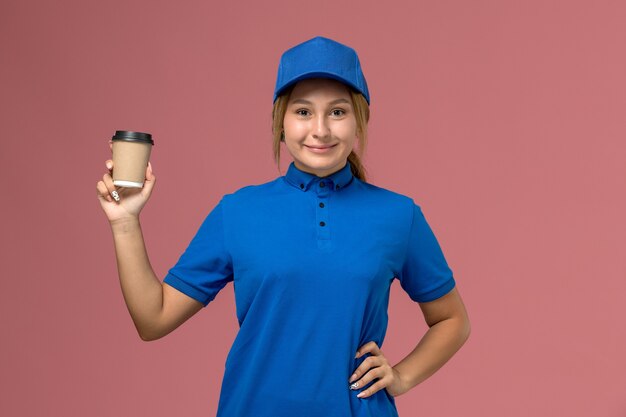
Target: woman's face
[{"x": 320, "y": 126}]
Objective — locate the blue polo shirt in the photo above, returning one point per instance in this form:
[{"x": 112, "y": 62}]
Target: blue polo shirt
[{"x": 312, "y": 260}]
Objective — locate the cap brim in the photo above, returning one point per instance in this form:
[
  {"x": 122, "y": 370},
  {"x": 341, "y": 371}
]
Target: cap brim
[{"x": 315, "y": 74}]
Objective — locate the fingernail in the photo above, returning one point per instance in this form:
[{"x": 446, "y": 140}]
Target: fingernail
[
  {"x": 354, "y": 386},
  {"x": 150, "y": 165},
  {"x": 352, "y": 378},
  {"x": 360, "y": 394},
  {"x": 357, "y": 355},
  {"x": 108, "y": 165}
]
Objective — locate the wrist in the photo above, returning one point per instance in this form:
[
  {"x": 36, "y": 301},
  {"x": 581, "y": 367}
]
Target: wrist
[
  {"x": 405, "y": 383},
  {"x": 125, "y": 224}
]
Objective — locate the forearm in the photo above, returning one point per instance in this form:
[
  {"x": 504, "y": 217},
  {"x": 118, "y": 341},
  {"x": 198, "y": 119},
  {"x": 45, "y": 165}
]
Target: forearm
[
  {"x": 436, "y": 347},
  {"x": 143, "y": 292}
]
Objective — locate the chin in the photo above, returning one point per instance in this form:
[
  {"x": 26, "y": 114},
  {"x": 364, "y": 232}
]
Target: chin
[{"x": 320, "y": 164}]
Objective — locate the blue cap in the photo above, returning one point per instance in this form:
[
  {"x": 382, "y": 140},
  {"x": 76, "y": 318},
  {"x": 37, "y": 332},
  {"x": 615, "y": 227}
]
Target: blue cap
[{"x": 320, "y": 58}]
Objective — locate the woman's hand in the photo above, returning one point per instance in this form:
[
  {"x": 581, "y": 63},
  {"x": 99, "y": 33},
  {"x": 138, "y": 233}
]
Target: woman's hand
[
  {"x": 376, "y": 366},
  {"x": 130, "y": 200}
]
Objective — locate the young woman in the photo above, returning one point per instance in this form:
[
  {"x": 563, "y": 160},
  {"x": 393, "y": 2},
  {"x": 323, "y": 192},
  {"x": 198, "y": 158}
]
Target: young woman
[{"x": 312, "y": 255}]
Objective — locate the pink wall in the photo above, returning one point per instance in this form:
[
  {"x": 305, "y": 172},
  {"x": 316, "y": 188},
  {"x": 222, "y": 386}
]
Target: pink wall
[{"x": 504, "y": 120}]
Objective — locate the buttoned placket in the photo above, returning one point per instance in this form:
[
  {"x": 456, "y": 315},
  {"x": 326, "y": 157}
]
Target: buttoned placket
[{"x": 322, "y": 191}]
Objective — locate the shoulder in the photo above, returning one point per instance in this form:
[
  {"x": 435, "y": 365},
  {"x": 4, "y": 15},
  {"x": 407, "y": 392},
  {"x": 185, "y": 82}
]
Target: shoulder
[
  {"x": 250, "y": 192},
  {"x": 387, "y": 197}
]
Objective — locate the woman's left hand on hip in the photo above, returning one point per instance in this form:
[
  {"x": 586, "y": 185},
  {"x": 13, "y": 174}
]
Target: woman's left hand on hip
[{"x": 376, "y": 366}]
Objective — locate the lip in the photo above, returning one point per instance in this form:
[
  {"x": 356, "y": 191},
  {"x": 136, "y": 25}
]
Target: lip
[{"x": 321, "y": 149}]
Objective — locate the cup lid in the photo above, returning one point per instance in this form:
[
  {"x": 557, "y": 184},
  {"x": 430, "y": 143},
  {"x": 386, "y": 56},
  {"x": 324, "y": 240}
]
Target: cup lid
[{"x": 130, "y": 136}]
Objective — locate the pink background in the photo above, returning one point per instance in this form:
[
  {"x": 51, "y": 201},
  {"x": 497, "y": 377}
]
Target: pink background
[{"x": 504, "y": 120}]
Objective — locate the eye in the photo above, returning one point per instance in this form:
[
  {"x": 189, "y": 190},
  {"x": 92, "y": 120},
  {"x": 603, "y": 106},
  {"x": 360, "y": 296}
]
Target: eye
[
  {"x": 342, "y": 112},
  {"x": 301, "y": 110}
]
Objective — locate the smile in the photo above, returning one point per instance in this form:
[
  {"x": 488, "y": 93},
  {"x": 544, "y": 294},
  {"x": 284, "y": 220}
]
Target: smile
[{"x": 321, "y": 149}]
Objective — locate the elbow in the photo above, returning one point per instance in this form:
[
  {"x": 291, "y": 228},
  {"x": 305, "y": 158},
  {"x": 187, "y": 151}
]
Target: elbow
[
  {"x": 148, "y": 337},
  {"x": 466, "y": 329},
  {"x": 148, "y": 334},
  {"x": 145, "y": 337}
]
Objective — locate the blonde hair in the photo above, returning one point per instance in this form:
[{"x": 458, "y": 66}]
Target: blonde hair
[{"x": 361, "y": 112}]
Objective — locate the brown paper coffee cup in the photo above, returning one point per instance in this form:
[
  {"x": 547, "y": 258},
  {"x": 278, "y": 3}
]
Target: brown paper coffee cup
[{"x": 131, "y": 153}]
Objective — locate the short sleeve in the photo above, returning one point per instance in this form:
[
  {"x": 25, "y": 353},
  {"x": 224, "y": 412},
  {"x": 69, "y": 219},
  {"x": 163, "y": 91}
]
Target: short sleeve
[
  {"x": 425, "y": 274},
  {"x": 205, "y": 267}
]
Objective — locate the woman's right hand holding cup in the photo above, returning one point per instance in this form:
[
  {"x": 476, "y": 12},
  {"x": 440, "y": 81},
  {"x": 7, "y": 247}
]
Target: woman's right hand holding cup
[{"x": 131, "y": 200}]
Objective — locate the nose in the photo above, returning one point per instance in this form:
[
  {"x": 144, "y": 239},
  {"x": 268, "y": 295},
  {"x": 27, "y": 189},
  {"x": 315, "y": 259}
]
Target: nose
[{"x": 320, "y": 128}]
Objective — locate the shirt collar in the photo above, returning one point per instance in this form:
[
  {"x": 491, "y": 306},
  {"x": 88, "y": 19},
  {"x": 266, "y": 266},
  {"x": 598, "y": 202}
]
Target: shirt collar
[{"x": 304, "y": 180}]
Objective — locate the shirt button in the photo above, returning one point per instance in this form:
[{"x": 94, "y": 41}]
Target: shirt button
[
  {"x": 302, "y": 186},
  {"x": 322, "y": 205},
  {"x": 322, "y": 184},
  {"x": 322, "y": 224}
]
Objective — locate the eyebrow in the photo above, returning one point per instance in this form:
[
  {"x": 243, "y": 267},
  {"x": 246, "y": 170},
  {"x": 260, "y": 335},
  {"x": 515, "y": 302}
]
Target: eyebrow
[{"x": 303, "y": 101}]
